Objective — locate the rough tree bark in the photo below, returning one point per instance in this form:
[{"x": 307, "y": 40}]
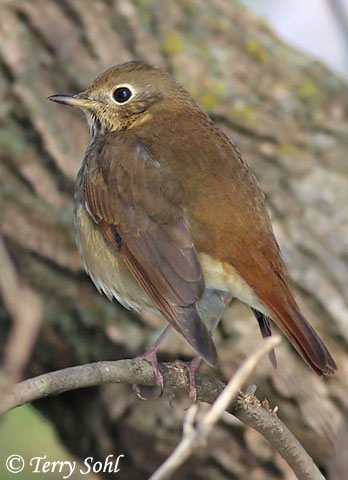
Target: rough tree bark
[{"x": 289, "y": 115}]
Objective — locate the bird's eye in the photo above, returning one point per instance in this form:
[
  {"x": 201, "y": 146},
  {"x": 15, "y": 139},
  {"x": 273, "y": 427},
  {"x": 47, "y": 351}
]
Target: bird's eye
[{"x": 121, "y": 94}]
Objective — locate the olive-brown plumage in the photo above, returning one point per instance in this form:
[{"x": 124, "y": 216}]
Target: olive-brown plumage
[{"x": 167, "y": 210}]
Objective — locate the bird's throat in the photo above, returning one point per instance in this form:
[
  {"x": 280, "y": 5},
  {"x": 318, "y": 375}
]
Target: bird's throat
[{"x": 94, "y": 124}]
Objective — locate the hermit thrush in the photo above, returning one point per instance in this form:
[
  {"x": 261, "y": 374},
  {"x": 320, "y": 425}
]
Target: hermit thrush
[{"x": 168, "y": 213}]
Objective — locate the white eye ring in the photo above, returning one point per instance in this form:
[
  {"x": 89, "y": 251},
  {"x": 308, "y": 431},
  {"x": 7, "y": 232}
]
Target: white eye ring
[{"x": 121, "y": 94}]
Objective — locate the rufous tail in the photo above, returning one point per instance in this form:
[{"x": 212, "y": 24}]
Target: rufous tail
[{"x": 304, "y": 338}]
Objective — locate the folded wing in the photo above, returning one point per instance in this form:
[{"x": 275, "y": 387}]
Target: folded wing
[{"x": 138, "y": 205}]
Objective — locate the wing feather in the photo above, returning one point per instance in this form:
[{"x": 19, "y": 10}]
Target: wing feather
[{"x": 138, "y": 205}]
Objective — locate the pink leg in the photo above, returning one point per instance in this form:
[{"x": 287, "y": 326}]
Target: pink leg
[{"x": 151, "y": 356}]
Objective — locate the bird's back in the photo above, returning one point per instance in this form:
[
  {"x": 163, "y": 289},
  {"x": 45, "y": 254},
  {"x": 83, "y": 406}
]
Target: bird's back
[
  {"x": 230, "y": 225},
  {"x": 224, "y": 203}
]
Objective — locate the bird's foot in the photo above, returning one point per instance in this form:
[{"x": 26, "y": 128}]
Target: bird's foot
[
  {"x": 192, "y": 368},
  {"x": 151, "y": 357}
]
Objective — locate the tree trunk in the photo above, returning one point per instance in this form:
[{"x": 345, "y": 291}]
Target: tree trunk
[{"x": 289, "y": 116}]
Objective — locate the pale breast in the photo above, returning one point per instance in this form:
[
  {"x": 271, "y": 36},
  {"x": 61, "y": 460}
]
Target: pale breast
[
  {"x": 105, "y": 266},
  {"x": 110, "y": 275}
]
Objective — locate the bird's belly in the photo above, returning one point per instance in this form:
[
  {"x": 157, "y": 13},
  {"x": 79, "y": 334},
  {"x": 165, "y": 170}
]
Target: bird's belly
[
  {"x": 106, "y": 267},
  {"x": 110, "y": 275},
  {"x": 222, "y": 276}
]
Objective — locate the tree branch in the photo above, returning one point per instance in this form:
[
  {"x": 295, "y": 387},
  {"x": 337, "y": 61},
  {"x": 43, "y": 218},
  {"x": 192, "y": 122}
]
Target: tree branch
[
  {"x": 25, "y": 308},
  {"x": 246, "y": 407},
  {"x": 93, "y": 374},
  {"x": 250, "y": 411},
  {"x": 195, "y": 437}
]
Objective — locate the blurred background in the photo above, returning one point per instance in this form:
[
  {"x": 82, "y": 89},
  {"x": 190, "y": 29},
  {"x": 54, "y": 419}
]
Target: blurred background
[
  {"x": 250, "y": 65},
  {"x": 319, "y": 27}
]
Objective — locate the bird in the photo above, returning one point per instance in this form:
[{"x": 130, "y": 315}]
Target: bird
[{"x": 169, "y": 217}]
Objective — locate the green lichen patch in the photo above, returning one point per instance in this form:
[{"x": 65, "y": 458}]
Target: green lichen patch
[
  {"x": 254, "y": 48},
  {"x": 173, "y": 44},
  {"x": 209, "y": 94},
  {"x": 308, "y": 91},
  {"x": 245, "y": 113}
]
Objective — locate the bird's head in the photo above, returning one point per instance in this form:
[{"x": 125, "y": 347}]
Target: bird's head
[{"x": 127, "y": 95}]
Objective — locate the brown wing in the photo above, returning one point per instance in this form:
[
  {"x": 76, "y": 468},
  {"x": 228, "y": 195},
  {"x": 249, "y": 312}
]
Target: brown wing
[
  {"x": 138, "y": 206},
  {"x": 229, "y": 220}
]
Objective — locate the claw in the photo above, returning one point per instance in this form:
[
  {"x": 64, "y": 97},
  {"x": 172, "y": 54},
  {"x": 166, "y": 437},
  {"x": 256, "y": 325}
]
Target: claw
[
  {"x": 151, "y": 357},
  {"x": 192, "y": 368},
  {"x": 137, "y": 391}
]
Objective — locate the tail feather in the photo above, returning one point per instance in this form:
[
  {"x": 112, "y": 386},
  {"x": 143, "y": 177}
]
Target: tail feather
[
  {"x": 192, "y": 327},
  {"x": 266, "y": 331},
  {"x": 304, "y": 338}
]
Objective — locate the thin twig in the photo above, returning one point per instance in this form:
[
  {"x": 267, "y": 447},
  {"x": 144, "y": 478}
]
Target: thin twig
[
  {"x": 250, "y": 412},
  {"x": 194, "y": 438}
]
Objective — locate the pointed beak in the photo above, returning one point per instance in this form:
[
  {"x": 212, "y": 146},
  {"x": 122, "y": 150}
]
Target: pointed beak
[{"x": 73, "y": 100}]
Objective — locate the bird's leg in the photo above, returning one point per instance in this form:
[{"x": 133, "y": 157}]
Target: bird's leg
[
  {"x": 193, "y": 366},
  {"x": 151, "y": 356},
  {"x": 224, "y": 300}
]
